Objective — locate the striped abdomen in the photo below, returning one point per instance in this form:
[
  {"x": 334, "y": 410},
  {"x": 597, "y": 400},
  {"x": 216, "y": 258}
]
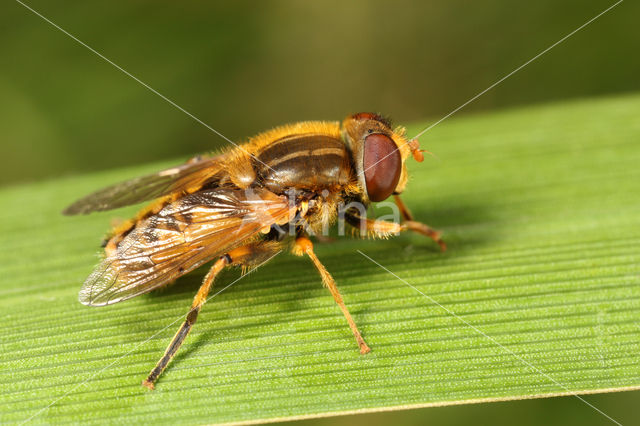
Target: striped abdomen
[{"x": 313, "y": 162}]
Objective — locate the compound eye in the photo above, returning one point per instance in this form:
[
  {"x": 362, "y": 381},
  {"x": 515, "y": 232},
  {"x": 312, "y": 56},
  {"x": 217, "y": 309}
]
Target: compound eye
[
  {"x": 382, "y": 165},
  {"x": 365, "y": 116}
]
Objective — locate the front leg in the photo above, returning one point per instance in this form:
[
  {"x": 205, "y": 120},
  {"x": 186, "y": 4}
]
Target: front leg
[
  {"x": 418, "y": 227},
  {"x": 383, "y": 229}
]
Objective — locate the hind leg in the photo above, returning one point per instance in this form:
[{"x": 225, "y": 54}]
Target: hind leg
[{"x": 245, "y": 256}]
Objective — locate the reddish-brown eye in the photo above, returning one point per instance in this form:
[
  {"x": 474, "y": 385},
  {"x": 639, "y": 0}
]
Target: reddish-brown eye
[
  {"x": 382, "y": 165},
  {"x": 365, "y": 116}
]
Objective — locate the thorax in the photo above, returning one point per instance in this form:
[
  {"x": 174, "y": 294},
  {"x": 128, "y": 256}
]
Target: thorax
[{"x": 308, "y": 161}]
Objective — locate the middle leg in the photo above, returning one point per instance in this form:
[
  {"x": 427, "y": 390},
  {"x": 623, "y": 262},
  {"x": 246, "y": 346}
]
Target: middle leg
[{"x": 304, "y": 246}]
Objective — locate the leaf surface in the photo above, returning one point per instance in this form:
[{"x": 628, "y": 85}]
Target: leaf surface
[{"x": 540, "y": 207}]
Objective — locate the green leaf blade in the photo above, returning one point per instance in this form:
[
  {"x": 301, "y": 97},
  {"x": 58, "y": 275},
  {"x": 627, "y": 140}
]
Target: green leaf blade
[{"x": 540, "y": 211}]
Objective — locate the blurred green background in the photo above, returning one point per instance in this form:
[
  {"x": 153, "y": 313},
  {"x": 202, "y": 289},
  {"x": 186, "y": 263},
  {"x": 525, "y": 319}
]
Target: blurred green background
[{"x": 244, "y": 66}]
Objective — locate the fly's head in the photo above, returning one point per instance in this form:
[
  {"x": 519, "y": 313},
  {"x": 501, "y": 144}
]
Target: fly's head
[{"x": 379, "y": 153}]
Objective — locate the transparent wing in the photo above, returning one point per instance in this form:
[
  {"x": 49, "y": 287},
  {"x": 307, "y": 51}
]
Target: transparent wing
[
  {"x": 180, "y": 238},
  {"x": 148, "y": 187}
]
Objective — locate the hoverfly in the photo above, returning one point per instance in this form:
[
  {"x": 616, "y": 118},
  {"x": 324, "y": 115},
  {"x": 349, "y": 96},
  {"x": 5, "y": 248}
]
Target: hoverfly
[{"x": 231, "y": 209}]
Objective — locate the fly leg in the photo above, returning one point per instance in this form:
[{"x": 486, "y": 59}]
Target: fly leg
[
  {"x": 304, "y": 246},
  {"x": 421, "y": 228},
  {"x": 192, "y": 316},
  {"x": 245, "y": 256},
  {"x": 383, "y": 229}
]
